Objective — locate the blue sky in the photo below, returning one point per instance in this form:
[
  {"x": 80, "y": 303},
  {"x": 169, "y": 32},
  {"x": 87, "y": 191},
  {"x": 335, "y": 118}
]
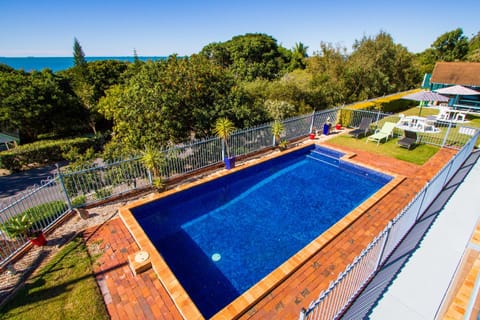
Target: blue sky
[{"x": 160, "y": 28}]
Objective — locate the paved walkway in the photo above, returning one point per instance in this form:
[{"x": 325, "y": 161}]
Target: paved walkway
[{"x": 143, "y": 297}]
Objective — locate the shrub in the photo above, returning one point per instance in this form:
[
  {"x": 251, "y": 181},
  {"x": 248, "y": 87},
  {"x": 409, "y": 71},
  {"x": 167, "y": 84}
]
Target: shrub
[
  {"x": 79, "y": 201},
  {"x": 45, "y": 152},
  {"x": 39, "y": 215},
  {"x": 103, "y": 193}
]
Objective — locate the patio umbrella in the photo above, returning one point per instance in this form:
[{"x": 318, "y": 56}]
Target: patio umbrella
[
  {"x": 425, "y": 96},
  {"x": 457, "y": 91}
]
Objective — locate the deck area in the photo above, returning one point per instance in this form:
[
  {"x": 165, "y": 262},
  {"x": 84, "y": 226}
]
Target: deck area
[{"x": 143, "y": 296}]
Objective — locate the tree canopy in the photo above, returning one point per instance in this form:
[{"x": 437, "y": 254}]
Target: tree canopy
[
  {"x": 249, "y": 79},
  {"x": 38, "y": 103},
  {"x": 170, "y": 101},
  {"x": 249, "y": 56},
  {"x": 378, "y": 66}
]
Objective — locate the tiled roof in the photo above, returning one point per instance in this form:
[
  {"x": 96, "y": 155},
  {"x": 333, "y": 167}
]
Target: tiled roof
[{"x": 462, "y": 73}]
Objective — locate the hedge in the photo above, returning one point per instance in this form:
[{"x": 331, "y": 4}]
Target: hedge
[
  {"x": 392, "y": 103},
  {"x": 44, "y": 152}
]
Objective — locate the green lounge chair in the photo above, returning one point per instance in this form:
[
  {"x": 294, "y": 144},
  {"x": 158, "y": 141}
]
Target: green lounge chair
[{"x": 384, "y": 133}]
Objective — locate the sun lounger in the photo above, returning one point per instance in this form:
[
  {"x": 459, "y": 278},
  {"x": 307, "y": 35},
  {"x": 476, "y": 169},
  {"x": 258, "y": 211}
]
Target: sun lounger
[
  {"x": 363, "y": 128},
  {"x": 409, "y": 140},
  {"x": 384, "y": 133}
]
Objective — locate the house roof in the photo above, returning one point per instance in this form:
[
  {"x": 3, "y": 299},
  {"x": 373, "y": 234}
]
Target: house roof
[{"x": 462, "y": 73}]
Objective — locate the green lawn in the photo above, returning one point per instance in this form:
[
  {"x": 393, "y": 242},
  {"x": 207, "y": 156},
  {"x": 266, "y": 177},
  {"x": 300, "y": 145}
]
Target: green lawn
[
  {"x": 64, "y": 289},
  {"x": 418, "y": 155},
  {"x": 422, "y": 152}
]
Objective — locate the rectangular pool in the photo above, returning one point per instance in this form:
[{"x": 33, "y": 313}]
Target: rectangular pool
[{"x": 221, "y": 237}]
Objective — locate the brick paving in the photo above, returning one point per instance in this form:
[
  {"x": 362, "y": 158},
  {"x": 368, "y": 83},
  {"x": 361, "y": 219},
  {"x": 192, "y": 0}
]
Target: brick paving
[
  {"x": 143, "y": 297},
  {"x": 126, "y": 296}
]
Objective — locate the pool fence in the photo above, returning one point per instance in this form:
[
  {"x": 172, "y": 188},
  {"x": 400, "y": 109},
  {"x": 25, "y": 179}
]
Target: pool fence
[{"x": 68, "y": 189}]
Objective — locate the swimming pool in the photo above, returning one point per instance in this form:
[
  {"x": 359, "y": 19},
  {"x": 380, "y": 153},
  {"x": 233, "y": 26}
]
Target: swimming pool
[{"x": 220, "y": 238}]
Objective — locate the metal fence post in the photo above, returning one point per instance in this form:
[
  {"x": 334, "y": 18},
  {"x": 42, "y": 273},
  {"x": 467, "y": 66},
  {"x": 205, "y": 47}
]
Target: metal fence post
[
  {"x": 64, "y": 189},
  {"x": 223, "y": 149},
  {"x": 448, "y": 174},
  {"x": 302, "y": 314},
  {"x": 150, "y": 179},
  {"x": 446, "y": 134},
  {"x": 312, "y": 122},
  {"x": 384, "y": 245},
  {"x": 419, "y": 213}
]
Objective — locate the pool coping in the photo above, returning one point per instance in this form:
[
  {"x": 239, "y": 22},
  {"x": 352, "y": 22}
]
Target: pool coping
[{"x": 241, "y": 305}]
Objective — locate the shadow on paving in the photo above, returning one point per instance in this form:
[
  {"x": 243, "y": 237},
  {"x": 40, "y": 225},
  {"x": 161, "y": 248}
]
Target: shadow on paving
[{"x": 363, "y": 305}]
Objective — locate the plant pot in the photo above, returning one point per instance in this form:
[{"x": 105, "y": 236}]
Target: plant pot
[
  {"x": 312, "y": 136},
  {"x": 39, "y": 240},
  {"x": 229, "y": 163}
]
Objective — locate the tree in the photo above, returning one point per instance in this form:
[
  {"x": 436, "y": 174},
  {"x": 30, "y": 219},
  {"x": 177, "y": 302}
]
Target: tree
[
  {"x": 218, "y": 53},
  {"x": 378, "y": 66},
  {"x": 299, "y": 53},
  {"x": 327, "y": 69},
  {"x": 451, "y": 46},
  {"x": 223, "y": 129},
  {"x": 170, "y": 101},
  {"x": 474, "y": 48},
  {"x": 249, "y": 56},
  {"x": 38, "y": 103},
  {"x": 277, "y": 131},
  {"x": 153, "y": 159},
  {"x": 426, "y": 60},
  {"x": 90, "y": 82},
  {"x": 78, "y": 55}
]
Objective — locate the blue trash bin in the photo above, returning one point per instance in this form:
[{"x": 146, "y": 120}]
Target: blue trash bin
[{"x": 326, "y": 128}]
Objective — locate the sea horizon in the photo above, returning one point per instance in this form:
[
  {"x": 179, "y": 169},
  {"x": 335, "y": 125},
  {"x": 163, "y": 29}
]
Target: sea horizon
[{"x": 32, "y": 63}]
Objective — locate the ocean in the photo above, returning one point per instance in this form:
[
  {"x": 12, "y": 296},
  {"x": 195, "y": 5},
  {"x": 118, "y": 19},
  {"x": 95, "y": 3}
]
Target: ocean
[{"x": 58, "y": 63}]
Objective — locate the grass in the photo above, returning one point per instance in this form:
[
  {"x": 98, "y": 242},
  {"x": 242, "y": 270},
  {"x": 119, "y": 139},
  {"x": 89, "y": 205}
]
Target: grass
[
  {"x": 63, "y": 289},
  {"x": 419, "y": 155},
  {"x": 422, "y": 152}
]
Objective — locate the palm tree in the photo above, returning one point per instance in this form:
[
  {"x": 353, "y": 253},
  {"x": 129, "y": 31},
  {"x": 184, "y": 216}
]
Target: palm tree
[
  {"x": 223, "y": 129},
  {"x": 153, "y": 160},
  {"x": 300, "y": 50},
  {"x": 277, "y": 130},
  {"x": 299, "y": 53}
]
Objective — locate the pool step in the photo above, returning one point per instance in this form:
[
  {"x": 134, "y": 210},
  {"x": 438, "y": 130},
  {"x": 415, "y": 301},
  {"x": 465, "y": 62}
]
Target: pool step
[{"x": 326, "y": 158}]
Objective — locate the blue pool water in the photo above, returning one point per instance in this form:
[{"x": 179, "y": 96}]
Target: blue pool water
[{"x": 222, "y": 237}]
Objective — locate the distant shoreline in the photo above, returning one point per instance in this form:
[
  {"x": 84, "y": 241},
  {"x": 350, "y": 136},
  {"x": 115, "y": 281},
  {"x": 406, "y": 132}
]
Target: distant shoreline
[{"x": 33, "y": 63}]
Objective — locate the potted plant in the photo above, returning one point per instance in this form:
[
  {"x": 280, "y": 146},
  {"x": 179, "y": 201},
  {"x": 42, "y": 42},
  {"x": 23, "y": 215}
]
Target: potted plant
[
  {"x": 154, "y": 159},
  {"x": 23, "y": 225},
  {"x": 37, "y": 237},
  {"x": 223, "y": 129},
  {"x": 283, "y": 145},
  {"x": 277, "y": 131}
]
